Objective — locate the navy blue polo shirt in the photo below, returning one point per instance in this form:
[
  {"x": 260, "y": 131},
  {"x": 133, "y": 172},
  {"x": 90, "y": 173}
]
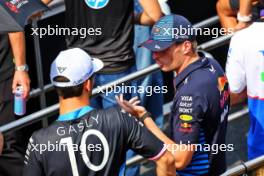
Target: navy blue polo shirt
[{"x": 199, "y": 116}]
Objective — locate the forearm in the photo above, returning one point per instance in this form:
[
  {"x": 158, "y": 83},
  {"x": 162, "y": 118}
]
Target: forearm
[
  {"x": 245, "y": 7},
  {"x": 165, "y": 165},
  {"x": 151, "y": 12},
  {"x": 17, "y": 41},
  {"x": 144, "y": 19},
  {"x": 165, "y": 171},
  {"x": 182, "y": 157},
  {"x": 150, "y": 124},
  {"x": 238, "y": 98},
  {"x": 46, "y": 1}
]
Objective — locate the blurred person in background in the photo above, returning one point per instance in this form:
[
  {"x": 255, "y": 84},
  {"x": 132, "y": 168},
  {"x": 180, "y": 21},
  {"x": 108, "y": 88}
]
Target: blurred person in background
[
  {"x": 13, "y": 72},
  {"x": 112, "y": 41},
  {"x": 153, "y": 102},
  {"x": 238, "y": 14},
  {"x": 245, "y": 73}
]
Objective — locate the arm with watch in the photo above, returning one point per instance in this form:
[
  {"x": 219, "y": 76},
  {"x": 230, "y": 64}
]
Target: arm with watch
[
  {"x": 244, "y": 16},
  {"x": 17, "y": 41},
  {"x": 182, "y": 157}
]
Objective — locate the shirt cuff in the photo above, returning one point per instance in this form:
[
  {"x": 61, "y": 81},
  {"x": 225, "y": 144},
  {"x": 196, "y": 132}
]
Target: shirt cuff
[{"x": 159, "y": 154}]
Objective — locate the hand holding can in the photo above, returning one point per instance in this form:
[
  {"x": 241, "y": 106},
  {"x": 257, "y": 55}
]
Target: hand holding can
[{"x": 19, "y": 102}]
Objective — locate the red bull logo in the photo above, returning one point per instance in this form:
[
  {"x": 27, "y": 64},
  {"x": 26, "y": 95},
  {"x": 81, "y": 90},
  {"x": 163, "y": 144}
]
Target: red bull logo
[
  {"x": 12, "y": 7},
  {"x": 15, "y": 5},
  {"x": 186, "y": 125},
  {"x": 222, "y": 81},
  {"x": 186, "y": 128}
]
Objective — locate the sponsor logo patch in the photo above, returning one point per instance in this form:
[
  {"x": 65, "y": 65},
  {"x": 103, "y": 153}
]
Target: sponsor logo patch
[
  {"x": 96, "y": 4},
  {"x": 186, "y": 117}
]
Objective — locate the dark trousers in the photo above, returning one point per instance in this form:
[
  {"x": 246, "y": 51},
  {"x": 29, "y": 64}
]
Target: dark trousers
[{"x": 11, "y": 160}]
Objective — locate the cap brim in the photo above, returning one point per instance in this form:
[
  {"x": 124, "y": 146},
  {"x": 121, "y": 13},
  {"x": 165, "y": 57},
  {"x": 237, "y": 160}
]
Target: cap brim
[
  {"x": 97, "y": 64},
  {"x": 156, "y": 45}
]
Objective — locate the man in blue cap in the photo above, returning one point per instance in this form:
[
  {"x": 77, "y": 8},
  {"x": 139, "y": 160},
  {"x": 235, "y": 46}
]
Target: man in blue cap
[{"x": 198, "y": 120}]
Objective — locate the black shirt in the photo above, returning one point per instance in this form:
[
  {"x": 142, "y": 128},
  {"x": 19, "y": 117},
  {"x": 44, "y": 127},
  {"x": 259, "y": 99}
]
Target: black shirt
[
  {"x": 105, "y": 136},
  {"x": 111, "y": 31},
  {"x": 199, "y": 116},
  {"x": 6, "y": 60}
]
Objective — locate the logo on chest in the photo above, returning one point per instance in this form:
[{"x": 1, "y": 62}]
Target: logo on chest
[{"x": 96, "y": 4}]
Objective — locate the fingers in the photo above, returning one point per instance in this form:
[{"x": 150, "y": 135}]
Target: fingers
[
  {"x": 121, "y": 97},
  {"x": 128, "y": 104},
  {"x": 136, "y": 103},
  {"x": 132, "y": 100},
  {"x": 14, "y": 85},
  {"x": 118, "y": 99},
  {"x": 21, "y": 78},
  {"x": 120, "y": 102},
  {"x": 26, "y": 88}
]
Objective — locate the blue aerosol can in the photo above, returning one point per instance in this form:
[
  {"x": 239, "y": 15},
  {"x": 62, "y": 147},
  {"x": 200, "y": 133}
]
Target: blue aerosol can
[{"x": 20, "y": 102}]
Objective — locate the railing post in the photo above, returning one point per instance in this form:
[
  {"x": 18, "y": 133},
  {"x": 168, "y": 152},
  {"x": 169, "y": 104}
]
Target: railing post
[{"x": 43, "y": 103}]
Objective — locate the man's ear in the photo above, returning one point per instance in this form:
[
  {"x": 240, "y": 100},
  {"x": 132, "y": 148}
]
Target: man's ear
[
  {"x": 88, "y": 85},
  {"x": 187, "y": 47}
]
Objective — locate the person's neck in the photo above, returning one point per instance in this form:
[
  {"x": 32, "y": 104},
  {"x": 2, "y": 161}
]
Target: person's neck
[
  {"x": 72, "y": 104},
  {"x": 187, "y": 61}
]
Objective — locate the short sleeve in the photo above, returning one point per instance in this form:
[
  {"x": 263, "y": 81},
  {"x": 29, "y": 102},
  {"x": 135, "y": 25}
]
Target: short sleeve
[
  {"x": 188, "y": 113},
  {"x": 32, "y": 164},
  {"x": 141, "y": 140},
  {"x": 235, "y": 70}
]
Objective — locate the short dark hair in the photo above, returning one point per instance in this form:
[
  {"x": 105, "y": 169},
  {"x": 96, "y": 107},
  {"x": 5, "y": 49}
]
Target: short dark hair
[{"x": 68, "y": 92}]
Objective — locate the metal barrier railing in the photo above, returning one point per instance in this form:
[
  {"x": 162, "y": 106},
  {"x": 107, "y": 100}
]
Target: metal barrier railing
[
  {"x": 52, "y": 109},
  {"x": 231, "y": 117},
  {"x": 245, "y": 167}
]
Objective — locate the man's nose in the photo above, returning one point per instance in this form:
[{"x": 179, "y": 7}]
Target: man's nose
[{"x": 155, "y": 55}]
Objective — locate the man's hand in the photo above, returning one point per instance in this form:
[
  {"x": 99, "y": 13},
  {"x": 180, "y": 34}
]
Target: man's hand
[
  {"x": 241, "y": 25},
  {"x": 1, "y": 143},
  {"x": 36, "y": 16},
  {"x": 17, "y": 41},
  {"x": 131, "y": 106},
  {"x": 21, "y": 78}
]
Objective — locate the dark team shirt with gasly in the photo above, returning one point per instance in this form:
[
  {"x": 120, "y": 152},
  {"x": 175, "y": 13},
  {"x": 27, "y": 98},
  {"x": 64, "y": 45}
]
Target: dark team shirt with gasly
[
  {"x": 199, "y": 115},
  {"x": 89, "y": 142}
]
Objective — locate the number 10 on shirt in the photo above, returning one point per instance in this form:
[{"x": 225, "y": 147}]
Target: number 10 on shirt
[{"x": 68, "y": 141}]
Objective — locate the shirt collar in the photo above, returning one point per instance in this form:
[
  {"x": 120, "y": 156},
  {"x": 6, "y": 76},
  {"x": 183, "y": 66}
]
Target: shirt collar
[
  {"x": 75, "y": 114},
  {"x": 201, "y": 62}
]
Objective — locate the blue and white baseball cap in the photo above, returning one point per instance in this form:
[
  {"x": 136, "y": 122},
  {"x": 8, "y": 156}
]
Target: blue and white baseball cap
[
  {"x": 74, "y": 64},
  {"x": 168, "y": 30}
]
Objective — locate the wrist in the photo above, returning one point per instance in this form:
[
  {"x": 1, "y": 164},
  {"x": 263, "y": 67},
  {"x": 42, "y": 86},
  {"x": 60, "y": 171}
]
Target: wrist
[
  {"x": 22, "y": 68},
  {"x": 137, "y": 18},
  {"x": 244, "y": 18},
  {"x": 143, "y": 117}
]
